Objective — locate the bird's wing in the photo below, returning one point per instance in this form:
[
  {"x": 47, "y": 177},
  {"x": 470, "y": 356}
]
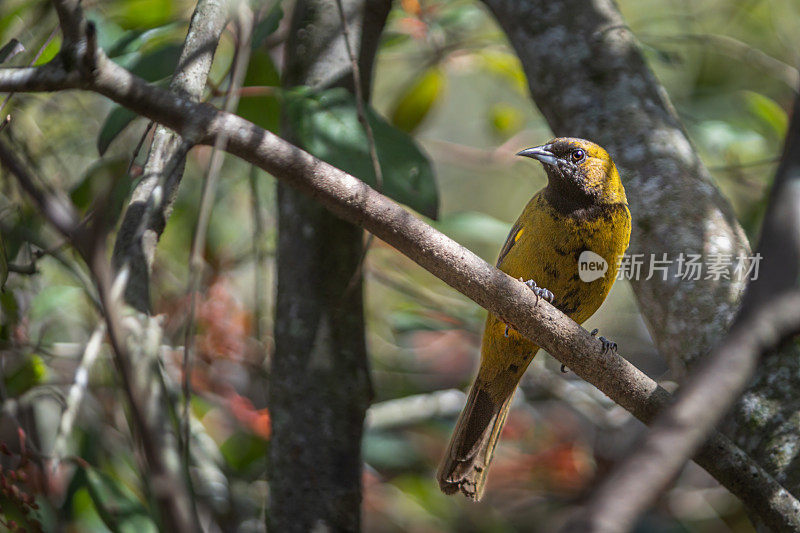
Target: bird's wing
[{"x": 513, "y": 236}]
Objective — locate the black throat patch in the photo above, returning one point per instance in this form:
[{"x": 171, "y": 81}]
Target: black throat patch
[{"x": 581, "y": 206}]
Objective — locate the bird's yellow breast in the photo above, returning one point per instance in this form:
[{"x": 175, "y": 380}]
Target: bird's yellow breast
[
  {"x": 545, "y": 245},
  {"x": 548, "y": 246}
]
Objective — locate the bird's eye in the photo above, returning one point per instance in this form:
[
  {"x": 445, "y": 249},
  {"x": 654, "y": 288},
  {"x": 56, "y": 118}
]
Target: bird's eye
[{"x": 578, "y": 155}]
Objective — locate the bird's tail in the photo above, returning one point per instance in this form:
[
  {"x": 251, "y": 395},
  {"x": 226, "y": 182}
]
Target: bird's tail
[{"x": 471, "y": 447}]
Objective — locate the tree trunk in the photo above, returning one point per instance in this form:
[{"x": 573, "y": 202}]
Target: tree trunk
[
  {"x": 320, "y": 386},
  {"x": 589, "y": 79}
]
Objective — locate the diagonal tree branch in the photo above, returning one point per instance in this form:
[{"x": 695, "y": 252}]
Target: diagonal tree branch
[
  {"x": 770, "y": 313},
  {"x": 244, "y": 27},
  {"x": 589, "y": 79},
  {"x": 597, "y": 85},
  {"x": 356, "y": 202},
  {"x": 167, "y": 157}
]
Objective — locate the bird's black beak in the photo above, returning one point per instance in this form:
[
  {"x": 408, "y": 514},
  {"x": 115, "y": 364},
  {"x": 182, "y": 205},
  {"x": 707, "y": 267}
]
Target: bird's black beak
[{"x": 542, "y": 153}]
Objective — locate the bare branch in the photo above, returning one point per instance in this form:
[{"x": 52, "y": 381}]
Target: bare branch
[
  {"x": 32, "y": 62},
  {"x": 770, "y": 313},
  {"x": 165, "y": 163},
  {"x": 244, "y": 24},
  {"x": 76, "y": 393},
  {"x": 679, "y": 431},
  {"x": 356, "y": 202},
  {"x": 70, "y": 17},
  {"x": 164, "y": 475},
  {"x": 46, "y": 78}
]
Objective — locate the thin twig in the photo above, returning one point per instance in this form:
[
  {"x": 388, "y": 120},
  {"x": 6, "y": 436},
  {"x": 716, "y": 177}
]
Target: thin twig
[
  {"x": 138, "y": 147},
  {"x": 32, "y": 62},
  {"x": 358, "y": 203},
  {"x": 371, "y": 146},
  {"x": 169, "y": 489},
  {"x": 736, "y": 49},
  {"x": 244, "y": 25},
  {"x": 71, "y": 21},
  {"x": 76, "y": 393},
  {"x": 746, "y": 164},
  {"x": 360, "y": 99},
  {"x": 259, "y": 254},
  {"x": 25, "y": 270},
  {"x": 167, "y": 150}
]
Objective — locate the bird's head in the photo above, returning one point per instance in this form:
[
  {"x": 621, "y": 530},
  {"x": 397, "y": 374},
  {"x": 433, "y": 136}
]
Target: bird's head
[{"x": 579, "y": 172}]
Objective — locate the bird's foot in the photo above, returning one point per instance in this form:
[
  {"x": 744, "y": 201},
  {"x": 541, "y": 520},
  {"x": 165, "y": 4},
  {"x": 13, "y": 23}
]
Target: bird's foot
[
  {"x": 564, "y": 368},
  {"x": 540, "y": 292},
  {"x": 608, "y": 346}
]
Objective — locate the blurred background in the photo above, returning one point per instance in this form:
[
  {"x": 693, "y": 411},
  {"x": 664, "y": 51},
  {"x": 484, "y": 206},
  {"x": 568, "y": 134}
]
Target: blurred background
[{"x": 445, "y": 75}]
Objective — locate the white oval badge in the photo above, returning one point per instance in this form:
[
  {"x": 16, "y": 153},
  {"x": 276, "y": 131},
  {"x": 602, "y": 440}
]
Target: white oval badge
[{"x": 591, "y": 266}]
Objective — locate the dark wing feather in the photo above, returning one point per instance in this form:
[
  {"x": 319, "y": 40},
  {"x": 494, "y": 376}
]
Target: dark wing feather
[{"x": 510, "y": 241}]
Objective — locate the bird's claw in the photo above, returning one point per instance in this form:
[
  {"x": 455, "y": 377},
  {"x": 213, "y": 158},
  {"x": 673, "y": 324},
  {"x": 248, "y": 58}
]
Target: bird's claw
[
  {"x": 540, "y": 292},
  {"x": 608, "y": 346},
  {"x": 506, "y": 332},
  {"x": 564, "y": 369}
]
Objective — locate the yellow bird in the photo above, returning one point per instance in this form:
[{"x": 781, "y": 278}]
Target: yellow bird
[{"x": 582, "y": 209}]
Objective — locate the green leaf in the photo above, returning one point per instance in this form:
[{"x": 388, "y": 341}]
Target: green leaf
[
  {"x": 118, "y": 42},
  {"x": 507, "y": 66},
  {"x": 408, "y": 320},
  {"x": 416, "y": 102},
  {"x": 157, "y": 63},
  {"x": 506, "y": 120},
  {"x": 105, "y": 186},
  {"x": 326, "y": 124},
  {"x": 9, "y": 314},
  {"x": 49, "y": 51},
  {"x": 31, "y": 372},
  {"x": 263, "y": 110},
  {"x": 266, "y": 26},
  {"x": 243, "y": 451},
  {"x": 391, "y": 39},
  {"x": 116, "y": 121},
  {"x": 461, "y": 17},
  {"x": 768, "y": 112},
  {"x": 130, "y": 14},
  {"x": 13, "y": 15},
  {"x": 118, "y": 507},
  {"x": 23, "y": 228},
  {"x": 386, "y": 450}
]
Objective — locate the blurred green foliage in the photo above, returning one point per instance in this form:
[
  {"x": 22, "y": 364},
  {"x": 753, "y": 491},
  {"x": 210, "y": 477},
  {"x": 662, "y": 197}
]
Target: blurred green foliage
[
  {"x": 326, "y": 123},
  {"x": 450, "y": 108}
]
